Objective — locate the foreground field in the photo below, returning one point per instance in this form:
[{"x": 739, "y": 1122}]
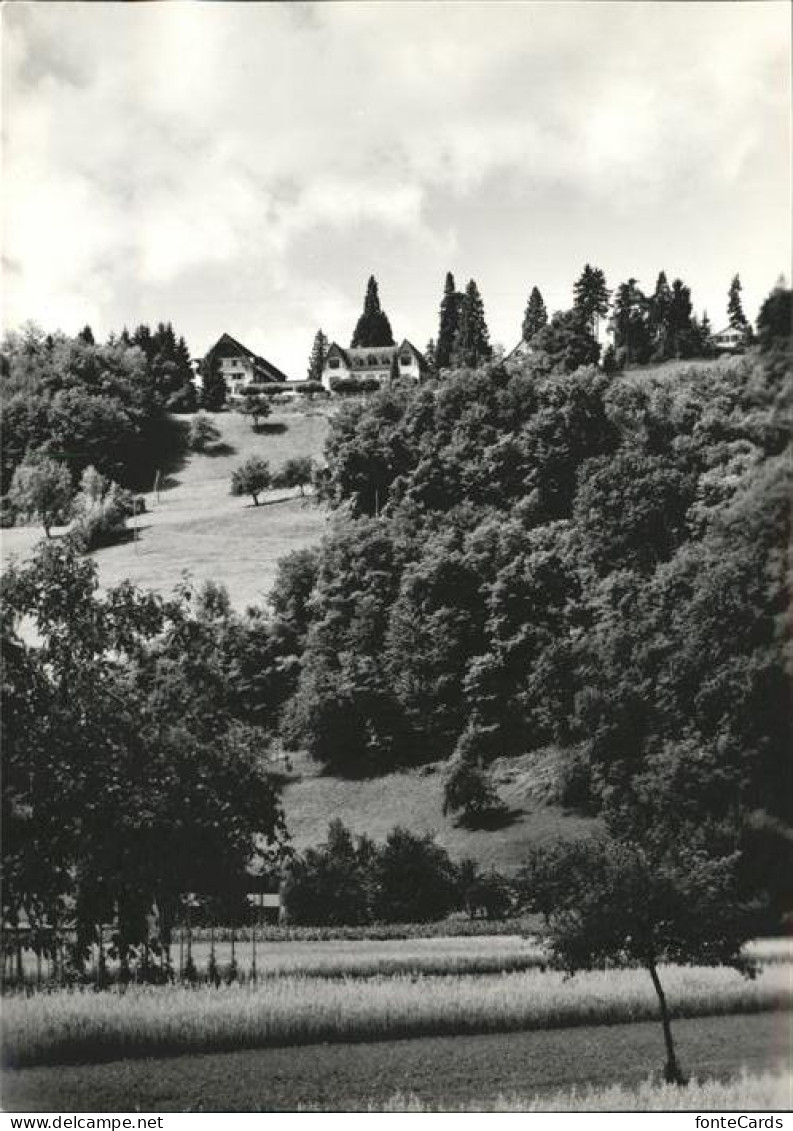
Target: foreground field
[
  {"x": 442, "y": 1072},
  {"x": 767, "y": 1091},
  {"x": 70, "y": 1027}
]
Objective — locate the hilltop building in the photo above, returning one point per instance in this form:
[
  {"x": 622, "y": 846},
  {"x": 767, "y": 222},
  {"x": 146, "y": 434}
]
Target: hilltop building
[
  {"x": 239, "y": 366},
  {"x": 383, "y": 363},
  {"x": 731, "y": 340}
]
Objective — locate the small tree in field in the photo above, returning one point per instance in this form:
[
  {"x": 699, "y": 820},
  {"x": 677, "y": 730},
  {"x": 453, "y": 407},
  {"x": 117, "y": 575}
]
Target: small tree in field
[
  {"x": 297, "y": 472},
  {"x": 467, "y": 789},
  {"x": 42, "y": 488},
  {"x": 612, "y": 901},
  {"x": 257, "y": 407},
  {"x": 251, "y": 478}
]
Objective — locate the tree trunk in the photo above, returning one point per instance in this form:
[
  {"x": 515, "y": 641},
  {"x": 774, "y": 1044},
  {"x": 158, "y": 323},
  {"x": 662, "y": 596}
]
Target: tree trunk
[{"x": 673, "y": 1074}]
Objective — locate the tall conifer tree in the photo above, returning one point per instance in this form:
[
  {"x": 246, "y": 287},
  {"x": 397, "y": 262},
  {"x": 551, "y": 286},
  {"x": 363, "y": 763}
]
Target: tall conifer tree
[
  {"x": 738, "y": 320},
  {"x": 448, "y": 323},
  {"x": 536, "y": 315},
  {"x": 373, "y": 327},
  {"x": 591, "y": 296},
  {"x": 316, "y": 361},
  {"x": 472, "y": 341}
]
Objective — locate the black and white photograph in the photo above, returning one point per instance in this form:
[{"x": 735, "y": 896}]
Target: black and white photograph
[{"x": 397, "y": 473}]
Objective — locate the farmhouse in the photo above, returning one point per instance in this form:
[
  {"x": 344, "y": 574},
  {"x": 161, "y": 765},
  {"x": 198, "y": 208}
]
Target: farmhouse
[
  {"x": 730, "y": 340},
  {"x": 239, "y": 366},
  {"x": 383, "y": 363}
]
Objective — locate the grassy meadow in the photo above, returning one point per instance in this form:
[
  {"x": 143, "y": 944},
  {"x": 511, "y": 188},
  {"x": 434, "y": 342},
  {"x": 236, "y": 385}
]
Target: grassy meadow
[
  {"x": 198, "y": 527},
  {"x": 295, "y": 1009}
]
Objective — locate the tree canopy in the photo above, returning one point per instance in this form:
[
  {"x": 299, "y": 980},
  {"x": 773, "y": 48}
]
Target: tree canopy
[{"x": 130, "y": 775}]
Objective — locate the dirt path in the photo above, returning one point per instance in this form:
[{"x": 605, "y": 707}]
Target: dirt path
[{"x": 343, "y": 1077}]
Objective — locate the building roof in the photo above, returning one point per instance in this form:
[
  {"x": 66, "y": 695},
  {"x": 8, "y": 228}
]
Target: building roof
[
  {"x": 265, "y": 368},
  {"x": 357, "y": 357},
  {"x": 522, "y": 349}
]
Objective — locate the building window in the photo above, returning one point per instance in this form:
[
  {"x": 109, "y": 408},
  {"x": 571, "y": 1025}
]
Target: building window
[
  {"x": 405, "y": 359},
  {"x": 333, "y": 363}
]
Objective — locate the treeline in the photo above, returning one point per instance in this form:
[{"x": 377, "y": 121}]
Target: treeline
[
  {"x": 645, "y": 327},
  {"x": 85, "y": 404},
  {"x": 520, "y": 558}
]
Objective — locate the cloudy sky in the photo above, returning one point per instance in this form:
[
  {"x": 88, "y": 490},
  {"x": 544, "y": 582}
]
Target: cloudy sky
[{"x": 245, "y": 167}]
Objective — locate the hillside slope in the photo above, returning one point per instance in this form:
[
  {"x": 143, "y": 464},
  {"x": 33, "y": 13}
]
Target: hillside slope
[
  {"x": 195, "y": 526},
  {"x": 414, "y": 798}
]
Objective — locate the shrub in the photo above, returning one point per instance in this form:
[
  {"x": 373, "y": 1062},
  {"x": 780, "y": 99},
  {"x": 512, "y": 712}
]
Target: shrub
[
  {"x": 203, "y": 434},
  {"x": 101, "y": 508},
  {"x": 489, "y": 895},
  {"x": 469, "y": 791},
  {"x": 331, "y": 885}
]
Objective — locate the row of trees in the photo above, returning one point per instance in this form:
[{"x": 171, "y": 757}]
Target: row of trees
[
  {"x": 645, "y": 327},
  {"x": 347, "y": 880}
]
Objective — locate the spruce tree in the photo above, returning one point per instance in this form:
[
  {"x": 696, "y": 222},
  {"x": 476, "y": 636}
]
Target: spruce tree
[
  {"x": 472, "y": 341},
  {"x": 316, "y": 361},
  {"x": 448, "y": 324},
  {"x": 658, "y": 316},
  {"x": 679, "y": 340},
  {"x": 86, "y": 335},
  {"x": 536, "y": 315},
  {"x": 373, "y": 327},
  {"x": 431, "y": 359},
  {"x": 737, "y": 318},
  {"x": 591, "y": 296},
  {"x": 630, "y": 324}
]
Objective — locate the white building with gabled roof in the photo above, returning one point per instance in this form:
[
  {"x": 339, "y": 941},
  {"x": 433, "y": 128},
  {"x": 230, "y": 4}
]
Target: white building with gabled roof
[{"x": 382, "y": 363}]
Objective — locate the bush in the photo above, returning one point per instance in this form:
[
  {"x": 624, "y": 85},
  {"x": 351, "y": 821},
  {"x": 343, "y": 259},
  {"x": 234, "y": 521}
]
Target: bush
[
  {"x": 331, "y": 885},
  {"x": 350, "y": 386},
  {"x": 101, "y": 508},
  {"x": 489, "y": 895},
  {"x": 203, "y": 434},
  {"x": 256, "y": 406},
  {"x": 469, "y": 791},
  {"x": 415, "y": 879}
]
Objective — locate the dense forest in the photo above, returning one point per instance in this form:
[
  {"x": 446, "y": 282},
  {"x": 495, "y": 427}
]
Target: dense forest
[{"x": 521, "y": 559}]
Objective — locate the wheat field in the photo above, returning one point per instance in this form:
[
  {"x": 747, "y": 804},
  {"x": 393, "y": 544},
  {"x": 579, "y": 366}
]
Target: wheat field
[{"x": 79, "y": 1026}]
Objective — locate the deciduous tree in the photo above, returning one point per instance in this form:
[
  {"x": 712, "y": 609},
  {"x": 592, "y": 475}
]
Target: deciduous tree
[
  {"x": 42, "y": 488},
  {"x": 251, "y": 478}
]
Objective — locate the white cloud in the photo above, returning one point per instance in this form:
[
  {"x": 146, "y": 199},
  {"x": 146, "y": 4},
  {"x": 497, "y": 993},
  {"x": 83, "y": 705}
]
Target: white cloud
[{"x": 149, "y": 146}]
